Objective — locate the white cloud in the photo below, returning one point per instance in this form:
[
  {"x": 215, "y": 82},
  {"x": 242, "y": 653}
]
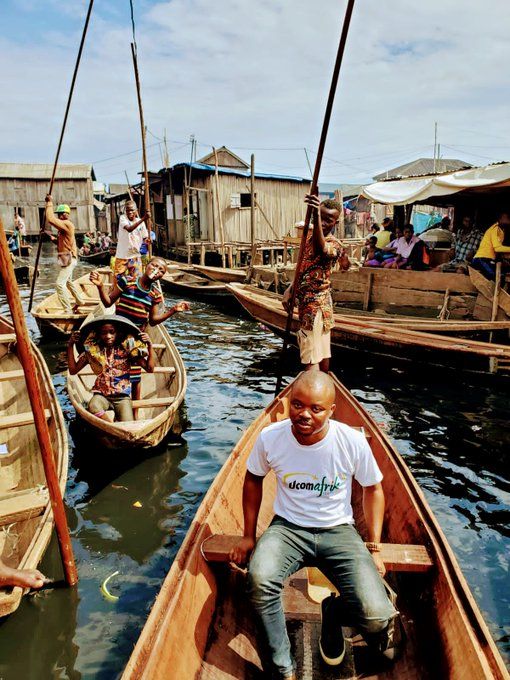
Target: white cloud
[{"x": 256, "y": 75}]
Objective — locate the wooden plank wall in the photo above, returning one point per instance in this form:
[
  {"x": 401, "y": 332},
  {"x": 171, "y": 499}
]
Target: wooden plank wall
[{"x": 29, "y": 194}]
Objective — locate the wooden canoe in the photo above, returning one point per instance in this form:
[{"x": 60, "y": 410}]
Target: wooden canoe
[
  {"x": 162, "y": 393},
  {"x": 53, "y": 320},
  {"x": 22, "y": 272},
  {"x": 201, "y": 625},
  {"x": 102, "y": 257},
  {"x": 402, "y": 343},
  {"x": 26, "y": 518},
  {"x": 189, "y": 285},
  {"x": 222, "y": 274}
]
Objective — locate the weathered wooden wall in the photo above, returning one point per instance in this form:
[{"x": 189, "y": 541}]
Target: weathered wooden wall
[{"x": 29, "y": 195}]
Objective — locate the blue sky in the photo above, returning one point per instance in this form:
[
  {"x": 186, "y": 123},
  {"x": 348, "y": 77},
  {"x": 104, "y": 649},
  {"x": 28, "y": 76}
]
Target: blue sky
[{"x": 254, "y": 76}]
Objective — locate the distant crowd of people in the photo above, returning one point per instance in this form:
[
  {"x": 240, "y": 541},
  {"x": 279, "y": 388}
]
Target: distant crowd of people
[
  {"x": 95, "y": 242},
  {"x": 392, "y": 248}
]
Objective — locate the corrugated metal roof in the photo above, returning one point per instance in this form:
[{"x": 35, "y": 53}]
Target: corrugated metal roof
[
  {"x": 44, "y": 170},
  {"x": 423, "y": 166},
  {"x": 241, "y": 173}
]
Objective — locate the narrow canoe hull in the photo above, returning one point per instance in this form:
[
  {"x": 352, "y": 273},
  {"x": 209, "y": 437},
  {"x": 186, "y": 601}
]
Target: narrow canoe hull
[
  {"x": 201, "y": 625},
  {"x": 222, "y": 274},
  {"x": 189, "y": 285},
  {"x": 97, "y": 258},
  {"x": 25, "y": 509},
  {"x": 402, "y": 344},
  {"x": 163, "y": 390}
]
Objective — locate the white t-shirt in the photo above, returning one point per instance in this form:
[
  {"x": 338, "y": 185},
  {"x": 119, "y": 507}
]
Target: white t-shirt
[
  {"x": 128, "y": 243},
  {"x": 314, "y": 483}
]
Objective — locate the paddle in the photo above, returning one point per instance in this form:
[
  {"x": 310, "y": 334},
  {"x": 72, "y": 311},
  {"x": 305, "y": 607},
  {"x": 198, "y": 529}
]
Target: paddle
[
  {"x": 55, "y": 164},
  {"x": 314, "y": 186}
]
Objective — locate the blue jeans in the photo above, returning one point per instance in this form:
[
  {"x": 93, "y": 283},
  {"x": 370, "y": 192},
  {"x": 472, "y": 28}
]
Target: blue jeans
[{"x": 341, "y": 555}]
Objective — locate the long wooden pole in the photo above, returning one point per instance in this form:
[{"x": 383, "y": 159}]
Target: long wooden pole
[
  {"x": 252, "y": 201},
  {"x": 495, "y": 299},
  {"x": 128, "y": 186},
  {"x": 220, "y": 217},
  {"x": 146, "y": 194},
  {"x": 315, "y": 182},
  {"x": 57, "y": 155},
  {"x": 34, "y": 389}
]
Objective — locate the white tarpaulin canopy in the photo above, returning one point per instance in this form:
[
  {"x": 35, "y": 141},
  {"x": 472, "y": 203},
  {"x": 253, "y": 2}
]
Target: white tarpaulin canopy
[{"x": 419, "y": 189}]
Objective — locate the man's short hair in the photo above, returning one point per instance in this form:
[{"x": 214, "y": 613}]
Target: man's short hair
[{"x": 331, "y": 204}]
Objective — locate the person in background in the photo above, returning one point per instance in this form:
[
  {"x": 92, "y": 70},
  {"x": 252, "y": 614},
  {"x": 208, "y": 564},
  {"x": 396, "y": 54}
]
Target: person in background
[
  {"x": 404, "y": 246},
  {"x": 313, "y": 524},
  {"x": 111, "y": 352},
  {"x": 495, "y": 243},
  {"x": 315, "y": 305},
  {"x": 384, "y": 235},
  {"x": 20, "y": 223},
  {"x": 466, "y": 241},
  {"x": 144, "y": 248},
  {"x": 14, "y": 242},
  {"x": 67, "y": 253},
  {"x": 132, "y": 232},
  {"x": 373, "y": 255}
]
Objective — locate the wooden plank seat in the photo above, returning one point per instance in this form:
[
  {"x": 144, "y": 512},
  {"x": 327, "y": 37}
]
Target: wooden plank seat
[
  {"x": 16, "y": 506},
  {"x": 7, "y": 338},
  {"x": 170, "y": 370},
  {"x": 19, "y": 419},
  {"x": 153, "y": 403},
  {"x": 396, "y": 556},
  {"x": 11, "y": 375}
]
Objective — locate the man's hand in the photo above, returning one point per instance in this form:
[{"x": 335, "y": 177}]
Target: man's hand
[
  {"x": 182, "y": 307},
  {"x": 144, "y": 337},
  {"x": 379, "y": 563},
  {"x": 95, "y": 278},
  {"x": 49, "y": 198},
  {"x": 313, "y": 201},
  {"x": 240, "y": 554},
  {"x": 286, "y": 298},
  {"x": 75, "y": 338}
]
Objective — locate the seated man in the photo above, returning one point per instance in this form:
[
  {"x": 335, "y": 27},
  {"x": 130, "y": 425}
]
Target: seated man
[
  {"x": 464, "y": 246},
  {"x": 404, "y": 247},
  {"x": 495, "y": 243},
  {"x": 314, "y": 460}
]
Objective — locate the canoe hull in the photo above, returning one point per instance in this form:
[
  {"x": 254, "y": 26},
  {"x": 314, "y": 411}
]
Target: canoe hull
[
  {"x": 97, "y": 258},
  {"x": 222, "y": 274},
  {"x": 21, "y": 472},
  {"x": 202, "y": 627},
  {"x": 189, "y": 285}
]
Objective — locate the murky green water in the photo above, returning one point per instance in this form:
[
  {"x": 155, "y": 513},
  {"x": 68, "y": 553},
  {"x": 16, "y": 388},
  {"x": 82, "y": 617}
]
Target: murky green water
[{"x": 453, "y": 434}]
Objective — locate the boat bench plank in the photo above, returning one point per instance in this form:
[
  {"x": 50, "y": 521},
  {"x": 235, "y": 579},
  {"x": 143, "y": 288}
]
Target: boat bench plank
[
  {"x": 12, "y": 375},
  {"x": 153, "y": 403},
  {"x": 6, "y": 338},
  {"x": 396, "y": 556},
  {"x": 21, "y": 505},
  {"x": 19, "y": 419},
  {"x": 157, "y": 369}
]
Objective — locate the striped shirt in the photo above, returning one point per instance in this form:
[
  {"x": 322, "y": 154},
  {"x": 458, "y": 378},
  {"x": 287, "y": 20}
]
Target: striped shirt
[{"x": 135, "y": 302}]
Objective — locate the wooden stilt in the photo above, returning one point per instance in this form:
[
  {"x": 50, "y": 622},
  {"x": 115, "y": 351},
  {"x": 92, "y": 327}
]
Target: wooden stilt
[
  {"x": 495, "y": 299},
  {"x": 220, "y": 216}
]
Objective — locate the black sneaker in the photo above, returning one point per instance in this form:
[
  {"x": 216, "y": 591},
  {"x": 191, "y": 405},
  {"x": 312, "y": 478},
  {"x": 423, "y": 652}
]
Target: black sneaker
[
  {"x": 331, "y": 641},
  {"x": 392, "y": 639}
]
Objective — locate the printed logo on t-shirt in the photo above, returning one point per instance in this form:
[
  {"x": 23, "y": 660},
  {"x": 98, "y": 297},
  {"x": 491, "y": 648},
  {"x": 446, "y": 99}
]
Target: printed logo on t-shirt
[{"x": 312, "y": 483}]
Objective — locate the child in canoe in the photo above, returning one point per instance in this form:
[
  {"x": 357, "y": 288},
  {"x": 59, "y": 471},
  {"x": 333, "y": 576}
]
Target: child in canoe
[{"x": 111, "y": 348}]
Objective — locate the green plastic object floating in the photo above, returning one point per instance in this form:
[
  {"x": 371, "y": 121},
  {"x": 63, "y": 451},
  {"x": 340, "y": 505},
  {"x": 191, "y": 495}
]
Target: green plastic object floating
[{"x": 104, "y": 588}]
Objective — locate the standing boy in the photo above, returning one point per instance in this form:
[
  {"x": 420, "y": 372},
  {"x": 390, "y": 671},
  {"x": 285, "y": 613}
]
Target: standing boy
[
  {"x": 132, "y": 232},
  {"x": 315, "y": 306}
]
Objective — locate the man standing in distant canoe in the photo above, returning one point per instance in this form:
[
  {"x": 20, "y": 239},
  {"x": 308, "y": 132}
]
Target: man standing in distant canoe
[
  {"x": 67, "y": 253},
  {"x": 131, "y": 235},
  {"x": 315, "y": 460},
  {"x": 315, "y": 305}
]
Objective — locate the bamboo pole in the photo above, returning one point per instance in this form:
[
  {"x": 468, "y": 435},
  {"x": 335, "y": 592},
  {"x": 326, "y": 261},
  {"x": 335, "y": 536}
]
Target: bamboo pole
[
  {"x": 315, "y": 181},
  {"x": 146, "y": 193},
  {"x": 495, "y": 299},
  {"x": 128, "y": 186},
  {"x": 57, "y": 155},
  {"x": 34, "y": 389},
  {"x": 220, "y": 217}
]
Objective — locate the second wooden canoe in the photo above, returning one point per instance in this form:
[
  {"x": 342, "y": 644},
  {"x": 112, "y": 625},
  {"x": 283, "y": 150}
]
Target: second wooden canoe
[
  {"x": 26, "y": 518},
  {"x": 222, "y": 274},
  {"x": 202, "y": 627},
  {"x": 101, "y": 257},
  {"x": 162, "y": 393},
  {"x": 54, "y": 321},
  {"x": 190, "y": 285},
  {"x": 385, "y": 338}
]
